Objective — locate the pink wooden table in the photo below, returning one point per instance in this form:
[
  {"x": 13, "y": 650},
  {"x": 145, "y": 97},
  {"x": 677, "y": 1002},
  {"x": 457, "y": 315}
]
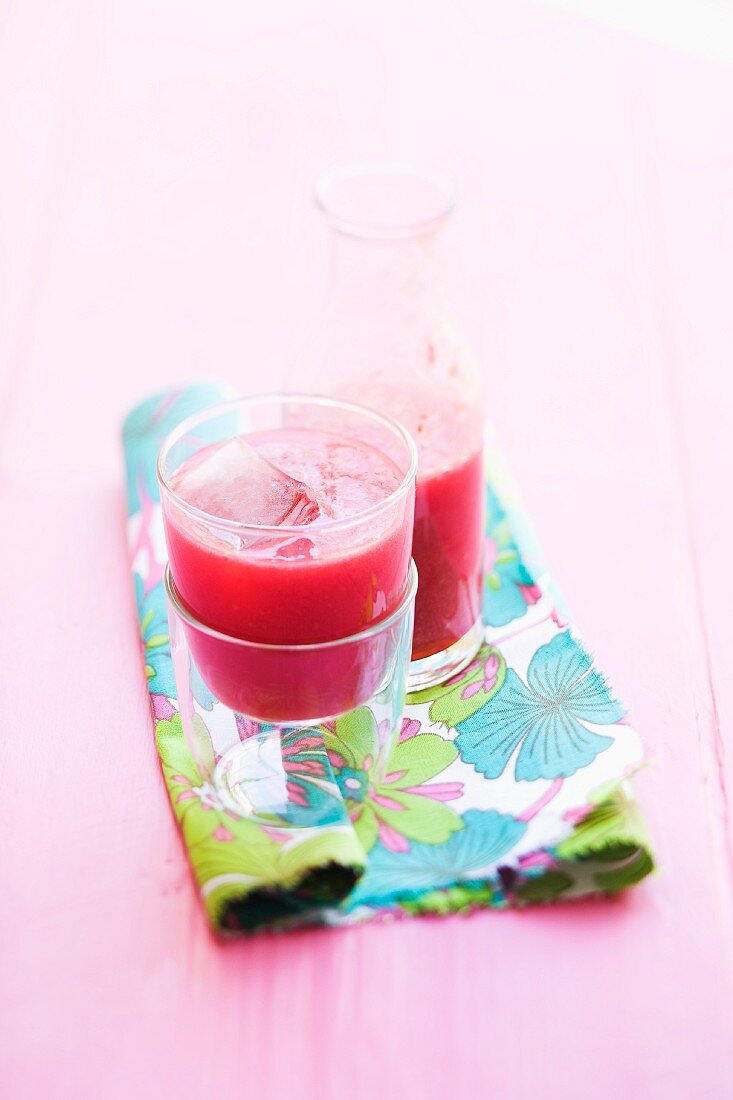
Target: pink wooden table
[{"x": 156, "y": 226}]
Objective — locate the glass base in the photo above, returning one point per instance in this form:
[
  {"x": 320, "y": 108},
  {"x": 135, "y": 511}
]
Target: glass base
[
  {"x": 281, "y": 779},
  {"x": 430, "y": 671}
]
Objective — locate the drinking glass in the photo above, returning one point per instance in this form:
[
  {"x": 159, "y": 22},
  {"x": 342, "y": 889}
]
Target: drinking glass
[{"x": 292, "y": 583}]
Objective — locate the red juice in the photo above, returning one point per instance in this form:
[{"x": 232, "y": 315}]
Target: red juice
[
  {"x": 337, "y": 566},
  {"x": 449, "y": 495},
  {"x": 447, "y": 547}
]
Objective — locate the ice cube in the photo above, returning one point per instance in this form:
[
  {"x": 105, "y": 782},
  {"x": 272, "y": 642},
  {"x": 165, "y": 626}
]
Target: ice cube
[{"x": 232, "y": 481}]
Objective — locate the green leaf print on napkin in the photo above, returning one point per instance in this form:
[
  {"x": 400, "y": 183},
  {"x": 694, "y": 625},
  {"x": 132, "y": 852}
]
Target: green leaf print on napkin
[
  {"x": 614, "y": 823},
  {"x": 612, "y": 840},
  {"x": 545, "y": 887},
  {"x": 463, "y": 695},
  {"x": 232, "y": 856},
  {"x": 393, "y": 802}
]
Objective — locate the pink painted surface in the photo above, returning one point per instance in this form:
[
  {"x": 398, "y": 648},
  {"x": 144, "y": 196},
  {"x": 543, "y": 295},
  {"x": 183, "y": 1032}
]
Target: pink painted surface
[{"x": 155, "y": 226}]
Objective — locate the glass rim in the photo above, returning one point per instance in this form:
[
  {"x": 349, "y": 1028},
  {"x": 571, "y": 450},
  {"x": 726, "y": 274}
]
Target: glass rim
[
  {"x": 356, "y": 227},
  {"x": 408, "y": 598},
  {"x": 263, "y": 529}
]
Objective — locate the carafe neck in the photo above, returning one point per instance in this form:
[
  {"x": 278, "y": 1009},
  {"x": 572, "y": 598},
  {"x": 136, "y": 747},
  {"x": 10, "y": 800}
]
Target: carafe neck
[{"x": 389, "y": 282}]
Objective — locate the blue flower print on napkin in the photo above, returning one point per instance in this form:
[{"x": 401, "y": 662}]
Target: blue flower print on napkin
[
  {"x": 545, "y": 716},
  {"x": 509, "y": 586},
  {"x": 485, "y": 837},
  {"x": 153, "y": 616}
]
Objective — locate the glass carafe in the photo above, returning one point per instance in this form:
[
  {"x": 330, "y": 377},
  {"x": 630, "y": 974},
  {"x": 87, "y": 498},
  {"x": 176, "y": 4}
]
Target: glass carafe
[{"x": 385, "y": 340}]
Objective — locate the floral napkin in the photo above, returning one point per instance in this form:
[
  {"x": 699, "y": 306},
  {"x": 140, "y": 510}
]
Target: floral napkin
[{"x": 507, "y": 785}]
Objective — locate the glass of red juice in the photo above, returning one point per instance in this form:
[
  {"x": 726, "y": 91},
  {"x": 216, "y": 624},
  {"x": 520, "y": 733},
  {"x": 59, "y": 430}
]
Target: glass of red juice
[
  {"x": 288, "y": 522},
  {"x": 386, "y": 339}
]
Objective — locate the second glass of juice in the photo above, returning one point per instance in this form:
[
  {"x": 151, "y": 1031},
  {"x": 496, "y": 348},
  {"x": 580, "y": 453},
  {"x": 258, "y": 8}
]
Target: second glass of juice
[
  {"x": 385, "y": 341},
  {"x": 289, "y": 524}
]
